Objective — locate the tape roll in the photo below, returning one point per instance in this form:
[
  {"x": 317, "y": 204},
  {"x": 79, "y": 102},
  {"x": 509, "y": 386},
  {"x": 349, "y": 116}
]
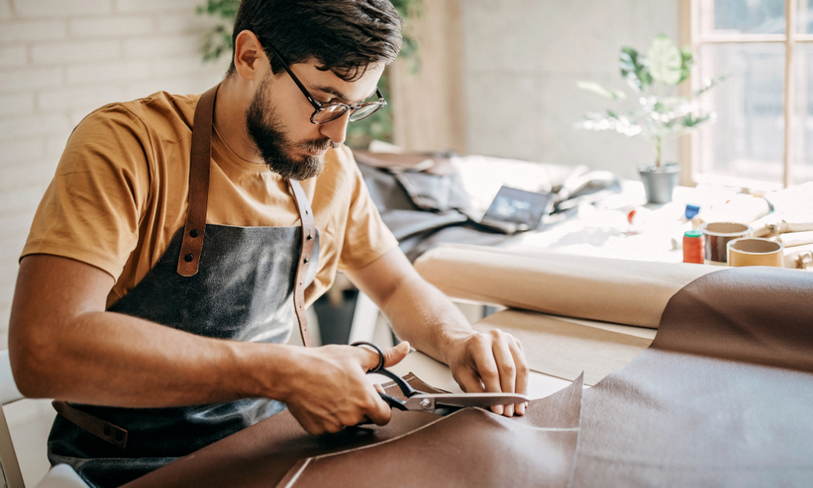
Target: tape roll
[
  {"x": 718, "y": 235},
  {"x": 755, "y": 251}
]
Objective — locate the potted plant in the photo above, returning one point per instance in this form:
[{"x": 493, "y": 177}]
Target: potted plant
[{"x": 660, "y": 113}]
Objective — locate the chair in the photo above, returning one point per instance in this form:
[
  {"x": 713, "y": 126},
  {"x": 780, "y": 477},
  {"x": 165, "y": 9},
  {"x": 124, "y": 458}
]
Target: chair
[{"x": 61, "y": 476}]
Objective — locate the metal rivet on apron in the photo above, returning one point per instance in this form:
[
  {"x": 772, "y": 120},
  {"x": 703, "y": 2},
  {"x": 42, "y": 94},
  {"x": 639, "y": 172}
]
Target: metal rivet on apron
[
  {"x": 310, "y": 237},
  {"x": 194, "y": 233},
  {"x": 188, "y": 258},
  {"x": 306, "y": 260}
]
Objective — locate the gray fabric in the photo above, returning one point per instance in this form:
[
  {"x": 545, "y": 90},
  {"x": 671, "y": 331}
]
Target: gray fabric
[
  {"x": 424, "y": 210},
  {"x": 242, "y": 291}
]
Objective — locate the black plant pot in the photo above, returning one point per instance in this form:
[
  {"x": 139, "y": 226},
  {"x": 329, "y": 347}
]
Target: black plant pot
[{"x": 659, "y": 183}]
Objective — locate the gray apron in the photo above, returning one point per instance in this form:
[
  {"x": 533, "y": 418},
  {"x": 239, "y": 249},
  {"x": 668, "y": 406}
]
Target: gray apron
[{"x": 239, "y": 286}]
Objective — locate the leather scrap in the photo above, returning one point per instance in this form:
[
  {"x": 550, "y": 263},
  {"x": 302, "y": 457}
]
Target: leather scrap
[
  {"x": 723, "y": 397},
  {"x": 274, "y": 451}
]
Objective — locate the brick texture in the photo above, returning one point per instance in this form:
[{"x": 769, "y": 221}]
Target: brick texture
[
  {"x": 61, "y": 59},
  {"x": 61, "y": 8}
]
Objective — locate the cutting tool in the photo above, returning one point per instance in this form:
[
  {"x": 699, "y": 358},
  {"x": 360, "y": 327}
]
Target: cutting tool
[{"x": 440, "y": 403}]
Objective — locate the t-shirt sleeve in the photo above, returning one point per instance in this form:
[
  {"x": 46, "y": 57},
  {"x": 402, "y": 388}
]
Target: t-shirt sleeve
[
  {"x": 91, "y": 209},
  {"x": 367, "y": 238}
]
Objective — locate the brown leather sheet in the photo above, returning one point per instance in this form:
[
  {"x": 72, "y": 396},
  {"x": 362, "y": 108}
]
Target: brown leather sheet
[
  {"x": 723, "y": 397},
  {"x": 471, "y": 447}
]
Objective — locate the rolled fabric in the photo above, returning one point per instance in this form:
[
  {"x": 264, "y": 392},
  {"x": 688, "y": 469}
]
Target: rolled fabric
[
  {"x": 792, "y": 255},
  {"x": 793, "y": 239},
  {"x": 609, "y": 290}
]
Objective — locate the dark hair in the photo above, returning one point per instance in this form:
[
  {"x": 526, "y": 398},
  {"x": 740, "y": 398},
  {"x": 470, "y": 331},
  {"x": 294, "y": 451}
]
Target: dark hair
[{"x": 344, "y": 36}]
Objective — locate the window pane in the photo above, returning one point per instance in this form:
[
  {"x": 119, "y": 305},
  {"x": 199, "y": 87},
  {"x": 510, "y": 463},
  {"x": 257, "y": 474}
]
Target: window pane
[
  {"x": 747, "y": 141},
  {"x": 804, "y": 20},
  {"x": 742, "y": 16},
  {"x": 802, "y": 162}
]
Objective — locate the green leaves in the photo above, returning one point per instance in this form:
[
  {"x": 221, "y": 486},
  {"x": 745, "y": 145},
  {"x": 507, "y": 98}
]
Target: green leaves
[
  {"x": 225, "y": 9},
  {"x": 665, "y": 61},
  {"x": 600, "y": 90},
  {"x": 633, "y": 69},
  {"x": 710, "y": 83},
  {"x": 686, "y": 63},
  {"x": 660, "y": 114}
]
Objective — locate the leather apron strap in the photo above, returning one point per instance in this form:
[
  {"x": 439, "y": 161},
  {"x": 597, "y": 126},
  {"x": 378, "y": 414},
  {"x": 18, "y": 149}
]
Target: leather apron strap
[
  {"x": 305, "y": 255},
  {"x": 192, "y": 247},
  {"x": 102, "y": 429},
  {"x": 195, "y": 225}
]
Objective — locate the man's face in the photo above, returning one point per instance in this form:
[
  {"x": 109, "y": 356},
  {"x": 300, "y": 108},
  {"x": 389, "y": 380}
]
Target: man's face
[{"x": 278, "y": 117}]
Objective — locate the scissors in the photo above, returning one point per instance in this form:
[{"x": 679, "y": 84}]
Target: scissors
[{"x": 439, "y": 403}]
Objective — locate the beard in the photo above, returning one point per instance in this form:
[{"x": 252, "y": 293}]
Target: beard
[{"x": 270, "y": 139}]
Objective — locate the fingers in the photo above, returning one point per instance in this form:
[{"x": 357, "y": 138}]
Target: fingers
[
  {"x": 522, "y": 372},
  {"x": 495, "y": 363},
  {"x": 469, "y": 380},
  {"x": 379, "y": 412},
  {"x": 368, "y": 357},
  {"x": 505, "y": 363},
  {"x": 486, "y": 365},
  {"x": 394, "y": 355}
]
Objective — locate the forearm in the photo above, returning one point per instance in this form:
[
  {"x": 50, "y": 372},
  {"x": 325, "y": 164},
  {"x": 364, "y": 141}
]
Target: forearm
[
  {"x": 118, "y": 360},
  {"x": 422, "y": 315}
]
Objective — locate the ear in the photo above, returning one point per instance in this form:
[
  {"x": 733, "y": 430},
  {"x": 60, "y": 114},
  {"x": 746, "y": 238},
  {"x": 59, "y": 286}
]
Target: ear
[{"x": 250, "y": 60}]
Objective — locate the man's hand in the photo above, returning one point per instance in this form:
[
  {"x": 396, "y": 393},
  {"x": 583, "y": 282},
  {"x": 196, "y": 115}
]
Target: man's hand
[
  {"x": 494, "y": 362},
  {"x": 328, "y": 390},
  {"x": 420, "y": 313}
]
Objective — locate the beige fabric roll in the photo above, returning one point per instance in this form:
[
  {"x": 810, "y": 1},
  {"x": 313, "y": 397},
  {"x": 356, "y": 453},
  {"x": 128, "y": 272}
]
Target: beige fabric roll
[
  {"x": 793, "y": 239},
  {"x": 792, "y": 255},
  {"x": 609, "y": 290}
]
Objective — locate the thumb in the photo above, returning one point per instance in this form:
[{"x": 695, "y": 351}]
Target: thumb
[{"x": 394, "y": 355}]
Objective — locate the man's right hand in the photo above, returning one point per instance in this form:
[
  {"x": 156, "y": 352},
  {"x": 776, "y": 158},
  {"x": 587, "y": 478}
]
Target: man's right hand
[{"x": 326, "y": 388}]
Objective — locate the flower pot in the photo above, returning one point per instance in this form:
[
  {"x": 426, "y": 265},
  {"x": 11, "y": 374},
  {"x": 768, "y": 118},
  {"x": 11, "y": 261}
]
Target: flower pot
[{"x": 659, "y": 182}]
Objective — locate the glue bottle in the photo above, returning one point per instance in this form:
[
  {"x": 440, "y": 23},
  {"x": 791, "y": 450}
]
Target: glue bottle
[{"x": 693, "y": 247}]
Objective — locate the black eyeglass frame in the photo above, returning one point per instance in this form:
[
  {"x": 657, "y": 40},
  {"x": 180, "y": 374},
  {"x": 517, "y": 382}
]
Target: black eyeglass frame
[{"x": 320, "y": 107}]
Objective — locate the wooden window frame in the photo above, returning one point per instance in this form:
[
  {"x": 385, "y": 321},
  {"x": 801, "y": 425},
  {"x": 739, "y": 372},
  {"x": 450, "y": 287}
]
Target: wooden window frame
[{"x": 690, "y": 34}]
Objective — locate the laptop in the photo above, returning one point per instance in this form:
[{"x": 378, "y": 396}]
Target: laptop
[{"x": 514, "y": 210}]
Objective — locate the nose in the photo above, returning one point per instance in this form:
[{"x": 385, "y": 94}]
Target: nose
[{"x": 336, "y": 130}]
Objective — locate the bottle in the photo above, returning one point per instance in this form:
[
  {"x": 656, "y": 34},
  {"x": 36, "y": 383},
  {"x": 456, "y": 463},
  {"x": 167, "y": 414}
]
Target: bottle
[{"x": 693, "y": 247}]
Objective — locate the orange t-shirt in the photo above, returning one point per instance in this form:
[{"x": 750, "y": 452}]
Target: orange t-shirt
[{"x": 120, "y": 194}]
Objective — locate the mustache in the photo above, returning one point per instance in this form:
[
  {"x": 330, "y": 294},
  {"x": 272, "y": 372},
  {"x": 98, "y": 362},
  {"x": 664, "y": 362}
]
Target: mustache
[{"x": 318, "y": 144}]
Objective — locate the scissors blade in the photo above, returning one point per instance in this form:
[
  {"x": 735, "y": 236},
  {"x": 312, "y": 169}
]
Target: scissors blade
[{"x": 431, "y": 401}]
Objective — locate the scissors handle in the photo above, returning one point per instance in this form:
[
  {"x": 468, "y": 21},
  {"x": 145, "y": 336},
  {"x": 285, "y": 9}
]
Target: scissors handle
[
  {"x": 406, "y": 389},
  {"x": 393, "y": 402}
]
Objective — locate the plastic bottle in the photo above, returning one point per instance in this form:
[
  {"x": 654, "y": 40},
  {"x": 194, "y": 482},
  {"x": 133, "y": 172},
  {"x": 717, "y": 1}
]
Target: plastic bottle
[{"x": 693, "y": 243}]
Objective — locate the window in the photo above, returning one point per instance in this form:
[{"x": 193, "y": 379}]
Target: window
[{"x": 763, "y": 137}]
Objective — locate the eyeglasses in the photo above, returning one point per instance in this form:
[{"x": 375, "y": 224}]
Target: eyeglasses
[{"x": 325, "y": 112}]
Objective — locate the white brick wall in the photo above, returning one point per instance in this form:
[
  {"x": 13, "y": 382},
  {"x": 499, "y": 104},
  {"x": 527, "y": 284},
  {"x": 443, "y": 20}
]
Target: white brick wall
[{"x": 60, "y": 59}]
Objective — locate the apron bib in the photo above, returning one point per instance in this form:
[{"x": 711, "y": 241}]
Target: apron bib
[{"x": 245, "y": 284}]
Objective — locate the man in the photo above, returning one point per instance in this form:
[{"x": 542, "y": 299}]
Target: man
[{"x": 167, "y": 333}]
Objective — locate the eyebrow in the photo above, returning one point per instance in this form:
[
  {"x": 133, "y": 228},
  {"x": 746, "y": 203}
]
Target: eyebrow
[{"x": 336, "y": 93}]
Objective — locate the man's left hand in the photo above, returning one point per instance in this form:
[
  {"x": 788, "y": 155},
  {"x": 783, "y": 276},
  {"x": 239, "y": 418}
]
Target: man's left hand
[{"x": 492, "y": 362}]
